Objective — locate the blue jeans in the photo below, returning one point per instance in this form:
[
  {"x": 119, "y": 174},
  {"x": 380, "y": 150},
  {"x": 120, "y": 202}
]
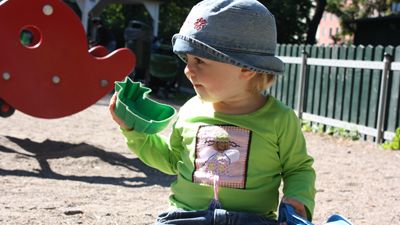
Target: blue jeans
[{"x": 212, "y": 217}]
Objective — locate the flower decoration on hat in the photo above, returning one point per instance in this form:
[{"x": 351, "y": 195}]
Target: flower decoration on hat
[{"x": 200, "y": 23}]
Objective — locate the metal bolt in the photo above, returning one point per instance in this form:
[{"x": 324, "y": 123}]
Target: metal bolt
[
  {"x": 56, "y": 79},
  {"x": 6, "y": 76},
  {"x": 103, "y": 83},
  {"x": 48, "y": 10}
]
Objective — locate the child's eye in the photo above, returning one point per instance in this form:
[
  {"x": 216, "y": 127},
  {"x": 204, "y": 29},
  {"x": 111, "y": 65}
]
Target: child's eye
[{"x": 198, "y": 61}]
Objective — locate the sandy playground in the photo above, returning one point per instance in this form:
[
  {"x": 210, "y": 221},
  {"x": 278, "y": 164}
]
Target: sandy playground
[{"x": 77, "y": 170}]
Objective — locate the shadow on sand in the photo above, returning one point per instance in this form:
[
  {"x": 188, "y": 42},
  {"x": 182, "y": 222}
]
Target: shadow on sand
[{"x": 49, "y": 149}]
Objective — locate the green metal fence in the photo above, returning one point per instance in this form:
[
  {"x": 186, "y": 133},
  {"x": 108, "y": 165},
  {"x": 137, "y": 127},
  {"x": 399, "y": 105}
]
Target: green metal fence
[{"x": 353, "y": 87}]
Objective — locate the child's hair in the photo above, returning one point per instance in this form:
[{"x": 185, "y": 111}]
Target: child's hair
[{"x": 261, "y": 81}]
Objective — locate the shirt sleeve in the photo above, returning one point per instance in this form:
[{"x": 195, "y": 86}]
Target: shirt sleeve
[
  {"x": 153, "y": 150},
  {"x": 297, "y": 171}
]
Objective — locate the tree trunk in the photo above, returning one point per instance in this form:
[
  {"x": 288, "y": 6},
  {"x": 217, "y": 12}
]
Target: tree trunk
[{"x": 313, "y": 26}]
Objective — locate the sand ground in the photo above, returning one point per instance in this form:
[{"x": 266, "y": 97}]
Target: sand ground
[{"x": 77, "y": 170}]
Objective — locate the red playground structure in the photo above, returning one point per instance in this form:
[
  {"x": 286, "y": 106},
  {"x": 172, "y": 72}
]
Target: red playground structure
[{"x": 46, "y": 69}]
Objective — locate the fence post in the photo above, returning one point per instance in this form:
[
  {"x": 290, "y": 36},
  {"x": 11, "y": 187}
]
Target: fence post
[
  {"x": 383, "y": 98},
  {"x": 300, "y": 91}
]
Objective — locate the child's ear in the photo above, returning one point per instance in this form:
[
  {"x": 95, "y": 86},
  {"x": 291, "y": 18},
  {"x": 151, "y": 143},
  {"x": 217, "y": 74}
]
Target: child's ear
[{"x": 247, "y": 74}]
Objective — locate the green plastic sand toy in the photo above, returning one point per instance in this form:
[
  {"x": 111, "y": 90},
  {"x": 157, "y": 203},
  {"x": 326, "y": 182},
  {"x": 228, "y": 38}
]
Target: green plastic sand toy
[{"x": 138, "y": 111}]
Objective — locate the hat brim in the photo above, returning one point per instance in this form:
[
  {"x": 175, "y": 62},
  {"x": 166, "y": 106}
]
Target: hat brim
[{"x": 263, "y": 63}]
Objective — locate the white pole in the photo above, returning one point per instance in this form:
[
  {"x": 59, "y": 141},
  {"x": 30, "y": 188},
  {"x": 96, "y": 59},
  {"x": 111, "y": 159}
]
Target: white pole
[
  {"x": 154, "y": 9},
  {"x": 302, "y": 81},
  {"x": 86, "y": 6}
]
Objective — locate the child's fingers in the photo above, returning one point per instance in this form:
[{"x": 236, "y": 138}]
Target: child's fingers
[
  {"x": 111, "y": 107},
  {"x": 113, "y": 100}
]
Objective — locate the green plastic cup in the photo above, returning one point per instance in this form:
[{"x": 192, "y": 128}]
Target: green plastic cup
[{"x": 139, "y": 112}]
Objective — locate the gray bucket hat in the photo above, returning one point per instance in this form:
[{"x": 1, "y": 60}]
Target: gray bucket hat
[{"x": 238, "y": 32}]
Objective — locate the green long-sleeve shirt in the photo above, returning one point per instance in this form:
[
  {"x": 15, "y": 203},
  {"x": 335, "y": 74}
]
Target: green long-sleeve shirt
[{"x": 251, "y": 154}]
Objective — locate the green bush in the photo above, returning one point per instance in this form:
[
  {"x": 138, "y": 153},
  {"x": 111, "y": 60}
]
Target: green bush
[
  {"x": 330, "y": 131},
  {"x": 394, "y": 144},
  {"x": 307, "y": 126}
]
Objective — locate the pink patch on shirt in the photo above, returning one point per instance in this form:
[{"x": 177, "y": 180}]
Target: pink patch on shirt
[{"x": 229, "y": 165}]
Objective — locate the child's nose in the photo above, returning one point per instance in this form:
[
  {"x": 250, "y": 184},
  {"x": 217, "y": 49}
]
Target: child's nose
[{"x": 189, "y": 71}]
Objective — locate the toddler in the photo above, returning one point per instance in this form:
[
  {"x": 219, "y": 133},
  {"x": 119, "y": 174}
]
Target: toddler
[{"x": 231, "y": 146}]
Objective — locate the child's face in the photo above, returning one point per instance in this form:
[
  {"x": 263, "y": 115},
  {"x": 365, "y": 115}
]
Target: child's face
[{"x": 215, "y": 81}]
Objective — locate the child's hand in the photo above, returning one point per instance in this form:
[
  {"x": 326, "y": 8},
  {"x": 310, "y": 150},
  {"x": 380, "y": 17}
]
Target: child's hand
[
  {"x": 111, "y": 107},
  {"x": 298, "y": 207}
]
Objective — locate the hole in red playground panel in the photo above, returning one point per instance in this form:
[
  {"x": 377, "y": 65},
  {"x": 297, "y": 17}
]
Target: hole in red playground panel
[{"x": 30, "y": 36}]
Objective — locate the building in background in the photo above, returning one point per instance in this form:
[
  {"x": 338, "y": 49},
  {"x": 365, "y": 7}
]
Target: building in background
[
  {"x": 328, "y": 28},
  {"x": 383, "y": 30}
]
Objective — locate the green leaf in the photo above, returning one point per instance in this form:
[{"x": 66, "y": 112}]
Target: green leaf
[
  {"x": 398, "y": 132},
  {"x": 395, "y": 145},
  {"x": 386, "y": 145},
  {"x": 330, "y": 131}
]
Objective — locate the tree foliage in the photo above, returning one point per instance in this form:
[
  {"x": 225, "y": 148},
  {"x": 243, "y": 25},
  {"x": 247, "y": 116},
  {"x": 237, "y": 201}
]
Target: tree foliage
[
  {"x": 172, "y": 16},
  {"x": 294, "y": 18}
]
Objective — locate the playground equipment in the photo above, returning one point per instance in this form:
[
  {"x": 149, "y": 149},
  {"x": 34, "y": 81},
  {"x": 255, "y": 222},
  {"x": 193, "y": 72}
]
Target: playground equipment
[
  {"x": 46, "y": 70},
  {"x": 164, "y": 71}
]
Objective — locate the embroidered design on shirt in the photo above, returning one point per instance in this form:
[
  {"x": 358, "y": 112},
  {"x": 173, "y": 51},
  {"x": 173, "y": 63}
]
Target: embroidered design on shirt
[
  {"x": 222, "y": 151},
  {"x": 200, "y": 23}
]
